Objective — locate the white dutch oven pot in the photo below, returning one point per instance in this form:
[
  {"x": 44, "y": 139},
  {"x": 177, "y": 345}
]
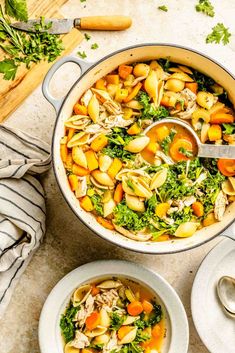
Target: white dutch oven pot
[{"x": 90, "y": 73}]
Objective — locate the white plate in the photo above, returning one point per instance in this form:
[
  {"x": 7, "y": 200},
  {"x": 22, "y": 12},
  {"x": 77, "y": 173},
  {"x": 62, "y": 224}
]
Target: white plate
[
  {"x": 216, "y": 329},
  {"x": 176, "y": 320}
]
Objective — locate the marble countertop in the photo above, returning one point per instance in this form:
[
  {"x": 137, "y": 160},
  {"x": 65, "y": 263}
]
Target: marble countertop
[{"x": 68, "y": 243}]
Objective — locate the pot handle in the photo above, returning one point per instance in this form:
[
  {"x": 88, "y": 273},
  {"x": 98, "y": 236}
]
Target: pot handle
[
  {"x": 84, "y": 66},
  {"x": 229, "y": 232}
]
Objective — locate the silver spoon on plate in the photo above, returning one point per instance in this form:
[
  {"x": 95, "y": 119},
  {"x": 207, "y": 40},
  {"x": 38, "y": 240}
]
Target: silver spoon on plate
[{"x": 226, "y": 294}]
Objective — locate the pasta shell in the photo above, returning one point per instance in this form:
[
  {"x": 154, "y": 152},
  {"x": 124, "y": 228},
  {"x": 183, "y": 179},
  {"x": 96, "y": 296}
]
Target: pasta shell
[
  {"x": 86, "y": 97},
  {"x": 182, "y": 76},
  {"x": 79, "y": 139},
  {"x": 134, "y": 104},
  {"x": 204, "y": 132},
  {"x": 110, "y": 284},
  {"x": 205, "y": 99},
  {"x": 81, "y": 294},
  {"x": 70, "y": 349},
  {"x": 78, "y": 122},
  {"x": 79, "y": 156},
  {"x": 141, "y": 188},
  {"x": 104, "y": 162},
  {"x": 94, "y": 109},
  {"x": 137, "y": 145},
  {"x": 131, "y": 172},
  {"x": 228, "y": 186},
  {"x": 200, "y": 114},
  {"x": 158, "y": 179},
  {"x": 129, "y": 337},
  {"x": 126, "y": 187},
  {"x": 151, "y": 84},
  {"x": 134, "y": 203},
  {"x": 186, "y": 229},
  {"x": 102, "y": 178},
  {"x": 98, "y": 185},
  {"x": 130, "y": 319},
  {"x": 185, "y": 69},
  {"x": 98, "y": 331},
  {"x": 104, "y": 318},
  {"x": 138, "y": 237},
  {"x": 109, "y": 207},
  {"x": 82, "y": 187},
  {"x": 102, "y": 339},
  {"x": 102, "y": 95},
  {"x": 174, "y": 85}
]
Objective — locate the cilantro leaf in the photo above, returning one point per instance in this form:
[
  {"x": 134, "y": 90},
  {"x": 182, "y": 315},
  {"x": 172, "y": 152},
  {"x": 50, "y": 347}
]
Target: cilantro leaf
[
  {"x": 8, "y": 68},
  {"x": 17, "y": 9},
  {"x": 206, "y": 7},
  {"x": 219, "y": 33},
  {"x": 94, "y": 46},
  {"x": 82, "y": 54},
  {"x": 149, "y": 111},
  {"x": 229, "y": 128},
  {"x": 163, "y": 8},
  {"x": 87, "y": 36},
  {"x": 165, "y": 143}
]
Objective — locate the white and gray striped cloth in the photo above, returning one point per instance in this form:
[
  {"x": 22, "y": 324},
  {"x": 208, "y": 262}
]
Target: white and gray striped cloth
[{"x": 22, "y": 204}]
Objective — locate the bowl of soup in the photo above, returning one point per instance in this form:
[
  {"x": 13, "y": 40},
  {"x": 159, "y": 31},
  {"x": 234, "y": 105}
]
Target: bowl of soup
[{"x": 109, "y": 306}]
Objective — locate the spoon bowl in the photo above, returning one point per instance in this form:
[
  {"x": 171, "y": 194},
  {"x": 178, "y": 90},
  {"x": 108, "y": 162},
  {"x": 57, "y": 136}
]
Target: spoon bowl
[
  {"x": 203, "y": 150},
  {"x": 226, "y": 294}
]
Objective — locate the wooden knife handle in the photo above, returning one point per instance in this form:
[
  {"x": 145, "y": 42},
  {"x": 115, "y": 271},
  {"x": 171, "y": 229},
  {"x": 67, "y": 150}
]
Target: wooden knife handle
[{"x": 105, "y": 23}]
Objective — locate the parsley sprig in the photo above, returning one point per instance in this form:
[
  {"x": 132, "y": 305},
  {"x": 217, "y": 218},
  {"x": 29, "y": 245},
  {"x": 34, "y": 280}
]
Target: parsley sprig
[
  {"x": 219, "y": 33},
  {"x": 206, "y": 7}
]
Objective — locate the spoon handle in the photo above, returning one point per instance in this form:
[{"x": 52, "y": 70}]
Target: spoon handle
[{"x": 216, "y": 151}]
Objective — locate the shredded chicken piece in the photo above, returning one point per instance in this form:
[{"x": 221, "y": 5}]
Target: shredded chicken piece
[
  {"x": 201, "y": 177},
  {"x": 168, "y": 220},
  {"x": 189, "y": 200},
  {"x": 112, "y": 107},
  {"x": 164, "y": 157},
  {"x": 107, "y": 299},
  {"x": 85, "y": 310},
  {"x": 220, "y": 205},
  {"x": 80, "y": 341},
  {"x": 112, "y": 344},
  {"x": 179, "y": 204}
]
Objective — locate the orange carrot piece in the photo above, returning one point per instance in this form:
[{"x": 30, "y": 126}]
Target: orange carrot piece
[
  {"x": 133, "y": 93},
  {"x": 80, "y": 171},
  {"x": 105, "y": 223},
  {"x": 80, "y": 109},
  {"x": 221, "y": 117},
  {"x": 69, "y": 161},
  {"x": 193, "y": 86},
  {"x": 175, "y": 149},
  {"x": 115, "y": 167},
  {"x": 99, "y": 142},
  {"x": 63, "y": 152},
  {"x": 93, "y": 320},
  {"x": 135, "y": 308},
  {"x": 161, "y": 132},
  {"x": 94, "y": 290},
  {"x": 134, "y": 129},
  {"x": 156, "y": 331},
  {"x": 113, "y": 79},
  {"x": 163, "y": 237},
  {"x": 123, "y": 331},
  {"x": 124, "y": 71},
  {"x": 101, "y": 84},
  {"x": 86, "y": 204},
  {"x": 92, "y": 161},
  {"x": 214, "y": 133},
  {"x": 118, "y": 193},
  {"x": 70, "y": 134},
  {"x": 147, "y": 306},
  {"x": 226, "y": 166},
  {"x": 161, "y": 209},
  {"x": 73, "y": 181},
  {"x": 198, "y": 208}
]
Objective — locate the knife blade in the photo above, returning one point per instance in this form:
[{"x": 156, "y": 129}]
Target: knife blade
[{"x": 62, "y": 26}]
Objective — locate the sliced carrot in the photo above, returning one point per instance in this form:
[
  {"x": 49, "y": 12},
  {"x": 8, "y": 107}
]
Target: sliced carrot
[
  {"x": 114, "y": 79},
  {"x": 152, "y": 147},
  {"x": 134, "y": 129},
  {"x": 105, "y": 223},
  {"x": 73, "y": 181},
  {"x": 147, "y": 306},
  {"x": 93, "y": 320},
  {"x": 86, "y": 204},
  {"x": 70, "y": 134},
  {"x": 198, "y": 208},
  {"x": 94, "y": 290},
  {"x": 115, "y": 167},
  {"x": 193, "y": 86},
  {"x": 133, "y": 93},
  {"x": 99, "y": 142},
  {"x": 135, "y": 308},
  {"x": 80, "y": 109},
  {"x": 163, "y": 237},
  {"x": 175, "y": 149},
  {"x": 226, "y": 166},
  {"x": 80, "y": 171},
  {"x": 92, "y": 161},
  {"x": 118, "y": 193},
  {"x": 221, "y": 117},
  {"x": 214, "y": 133},
  {"x": 63, "y": 152},
  {"x": 123, "y": 331},
  {"x": 124, "y": 71},
  {"x": 101, "y": 84},
  {"x": 156, "y": 331}
]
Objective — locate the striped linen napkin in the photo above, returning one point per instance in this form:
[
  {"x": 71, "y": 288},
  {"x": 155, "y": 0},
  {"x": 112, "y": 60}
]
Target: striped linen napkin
[{"x": 22, "y": 204}]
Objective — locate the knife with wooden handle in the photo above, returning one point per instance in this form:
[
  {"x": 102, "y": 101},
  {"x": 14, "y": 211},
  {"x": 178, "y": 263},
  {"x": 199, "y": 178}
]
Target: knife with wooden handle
[{"x": 61, "y": 26}]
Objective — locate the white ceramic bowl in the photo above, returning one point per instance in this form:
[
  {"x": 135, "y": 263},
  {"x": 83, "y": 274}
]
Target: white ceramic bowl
[{"x": 177, "y": 333}]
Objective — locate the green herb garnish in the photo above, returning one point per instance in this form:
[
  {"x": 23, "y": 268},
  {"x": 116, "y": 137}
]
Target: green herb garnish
[
  {"x": 165, "y": 143},
  {"x": 116, "y": 321},
  {"x": 185, "y": 152},
  {"x": 87, "y": 36},
  {"x": 163, "y": 8},
  {"x": 118, "y": 139},
  {"x": 17, "y": 9},
  {"x": 206, "y": 7},
  {"x": 94, "y": 46},
  {"x": 219, "y": 33},
  {"x": 67, "y": 324},
  {"x": 149, "y": 111},
  {"x": 82, "y": 54},
  {"x": 97, "y": 203},
  {"x": 229, "y": 129}
]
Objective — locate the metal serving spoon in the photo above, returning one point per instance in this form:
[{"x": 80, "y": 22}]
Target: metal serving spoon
[
  {"x": 203, "y": 150},
  {"x": 226, "y": 294}
]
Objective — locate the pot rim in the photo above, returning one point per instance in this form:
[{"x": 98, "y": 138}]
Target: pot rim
[{"x": 128, "y": 247}]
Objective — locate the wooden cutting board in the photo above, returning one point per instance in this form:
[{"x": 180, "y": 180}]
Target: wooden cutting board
[{"x": 13, "y": 93}]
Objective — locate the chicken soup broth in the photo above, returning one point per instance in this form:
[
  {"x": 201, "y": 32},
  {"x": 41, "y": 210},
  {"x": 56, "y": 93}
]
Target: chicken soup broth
[{"x": 113, "y": 314}]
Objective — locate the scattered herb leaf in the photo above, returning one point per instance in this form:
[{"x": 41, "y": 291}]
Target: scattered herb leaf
[
  {"x": 94, "y": 46},
  {"x": 82, "y": 54},
  {"x": 87, "y": 36},
  {"x": 163, "y": 8},
  {"x": 17, "y": 9},
  {"x": 206, "y": 7},
  {"x": 219, "y": 33}
]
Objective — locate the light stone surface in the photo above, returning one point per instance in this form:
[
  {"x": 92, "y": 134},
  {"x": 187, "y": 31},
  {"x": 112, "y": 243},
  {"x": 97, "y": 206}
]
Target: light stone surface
[{"x": 68, "y": 243}]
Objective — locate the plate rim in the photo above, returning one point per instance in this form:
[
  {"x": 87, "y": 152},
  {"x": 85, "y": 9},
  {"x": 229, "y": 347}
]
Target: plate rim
[
  {"x": 219, "y": 249},
  {"x": 52, "y": 308}
]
